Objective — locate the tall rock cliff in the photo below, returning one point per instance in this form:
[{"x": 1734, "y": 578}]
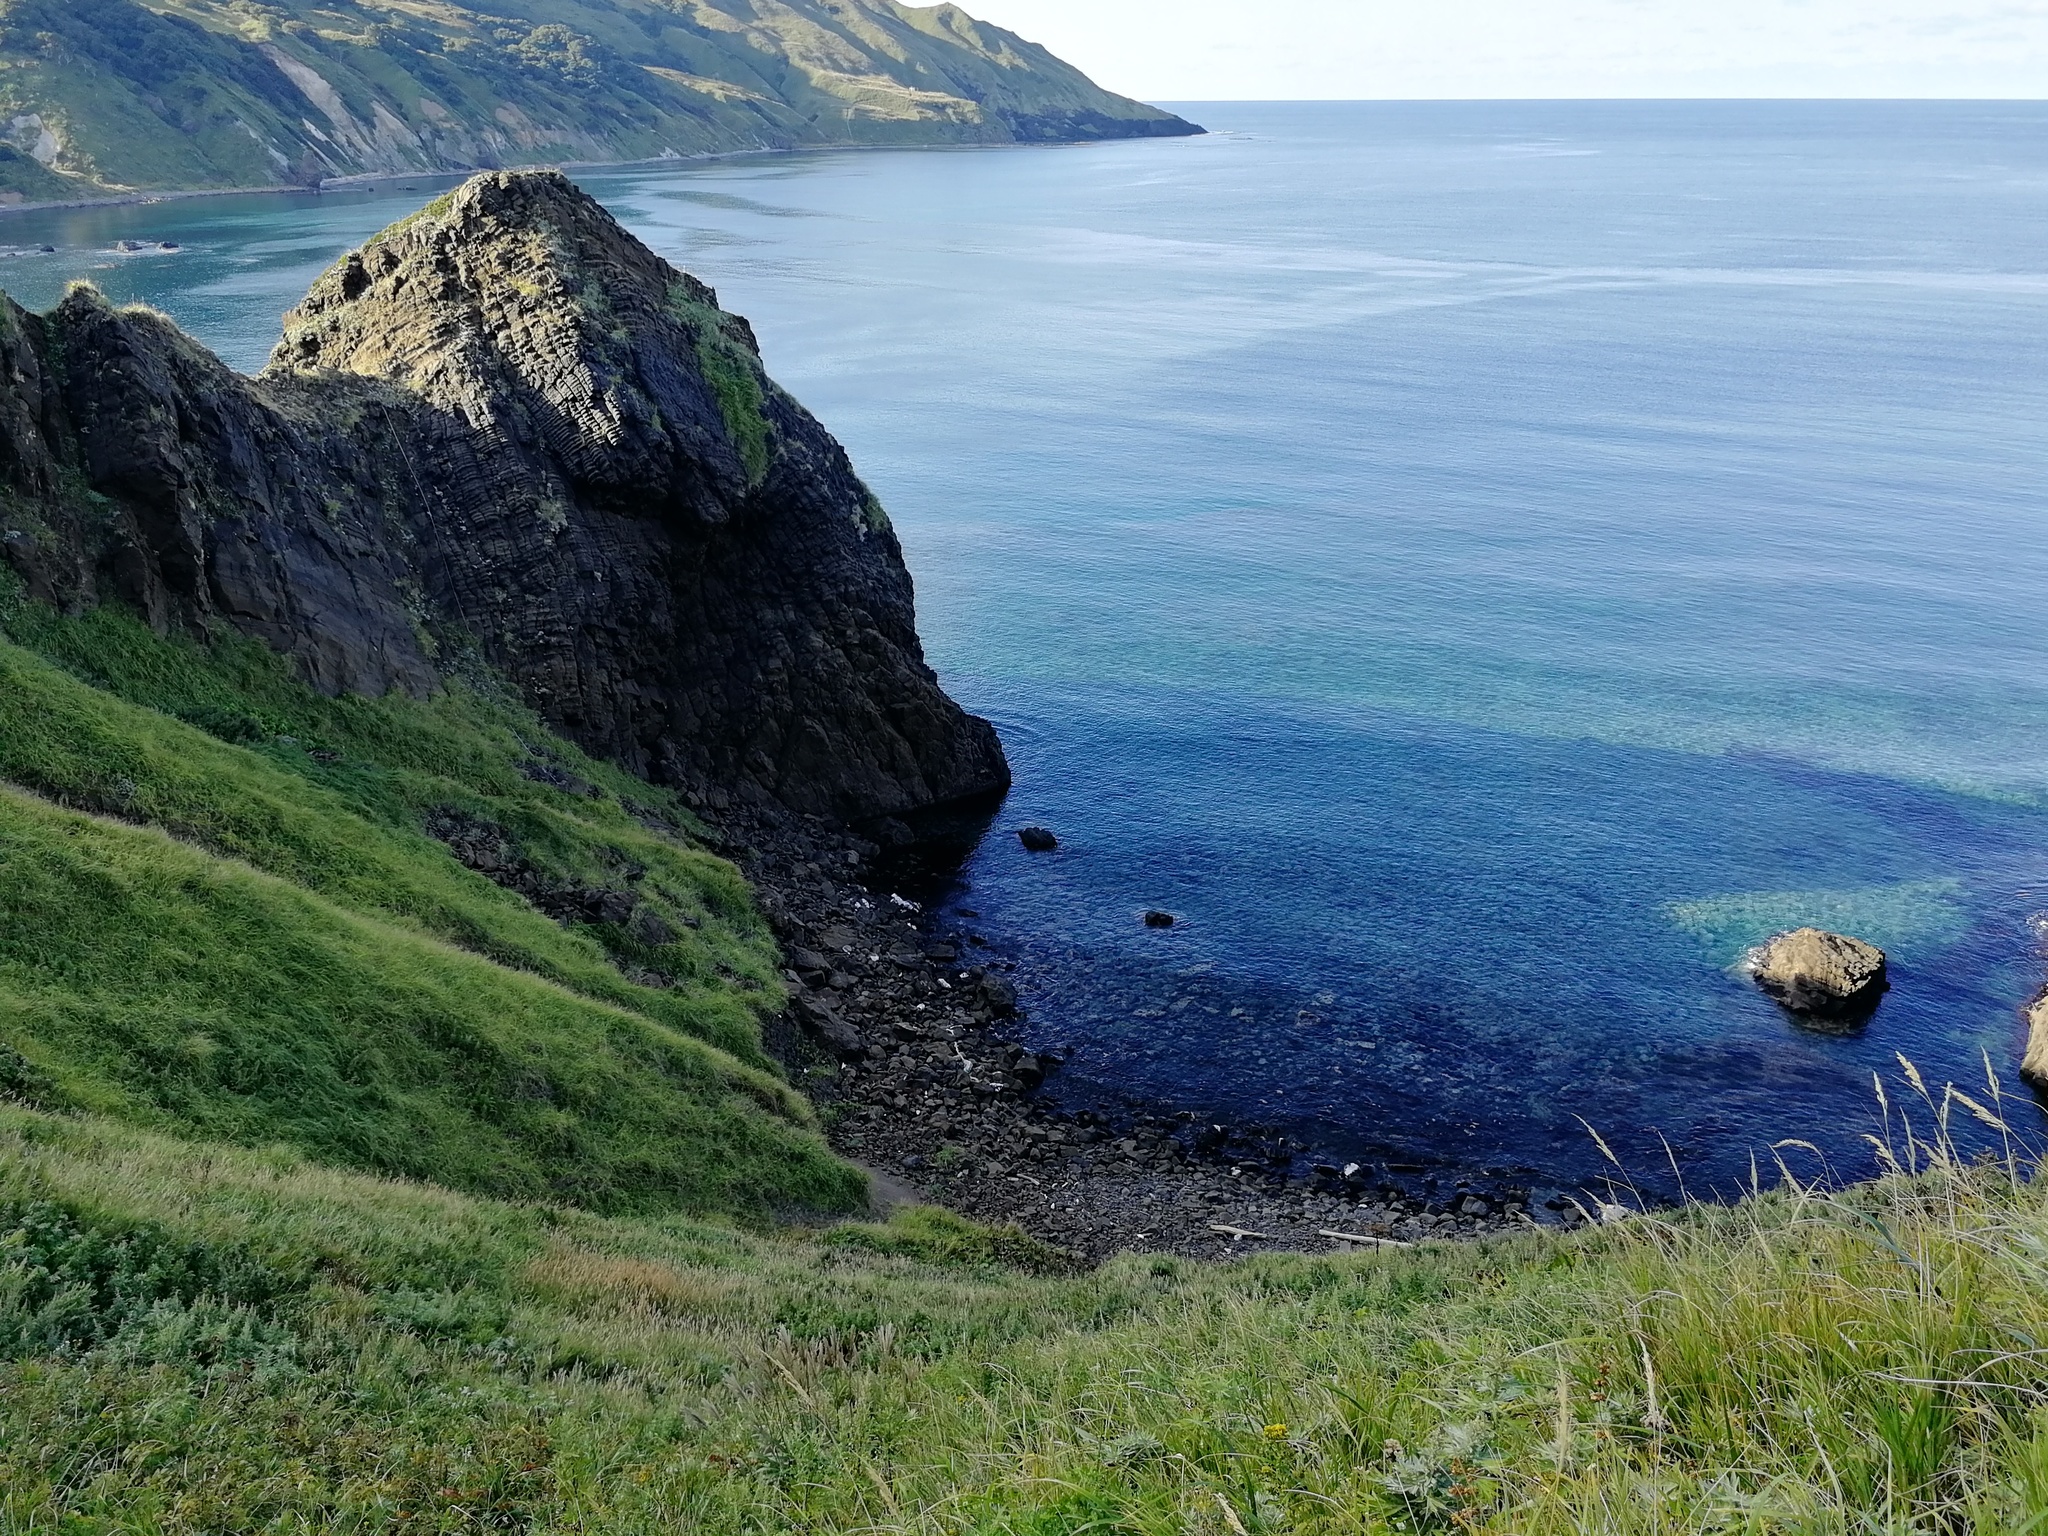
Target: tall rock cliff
[{"x": 503, "y": 429}]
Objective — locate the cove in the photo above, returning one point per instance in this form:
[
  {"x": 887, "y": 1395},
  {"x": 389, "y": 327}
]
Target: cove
[{"x": 1479, "y": 565}]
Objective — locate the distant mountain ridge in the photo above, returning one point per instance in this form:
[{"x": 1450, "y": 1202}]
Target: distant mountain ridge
[{"x": 115, "y": 95}]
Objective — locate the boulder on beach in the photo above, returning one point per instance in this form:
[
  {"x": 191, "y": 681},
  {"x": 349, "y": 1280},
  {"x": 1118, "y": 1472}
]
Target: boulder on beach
[
  {"x": 2034, "y": 1069},
  {"x": 823, "y": 1021},
  {"x": 1819, "y": 974}
]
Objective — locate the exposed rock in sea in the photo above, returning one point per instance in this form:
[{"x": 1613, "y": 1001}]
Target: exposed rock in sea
[
  {"x": 2034, "y": 1068},
  {"x": 1819, "y": 974},
  {"x": 1158, "y": 919},
  {"x": 504, "y": 431},
  {"x": 1037, "y": 839}
]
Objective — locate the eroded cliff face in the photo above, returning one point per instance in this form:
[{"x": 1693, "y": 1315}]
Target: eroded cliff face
[{"x": 502, "y": 428}]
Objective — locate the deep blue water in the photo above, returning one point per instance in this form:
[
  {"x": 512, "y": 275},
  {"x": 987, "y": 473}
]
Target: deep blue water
[{"x": 1481, "y": 566}]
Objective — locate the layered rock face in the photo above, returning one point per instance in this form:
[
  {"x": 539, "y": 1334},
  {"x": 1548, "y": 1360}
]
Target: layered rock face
[
  {"x": 1821, "y": 975},
  {"x": 503, "y": 429}
]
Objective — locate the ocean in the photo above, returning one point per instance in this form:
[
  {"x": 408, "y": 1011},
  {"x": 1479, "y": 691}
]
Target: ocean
[{"x": 1481, "y": 567}]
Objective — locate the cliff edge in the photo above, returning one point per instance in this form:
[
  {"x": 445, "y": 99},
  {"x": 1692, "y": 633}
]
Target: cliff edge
[{"x": 503, "y": 430}]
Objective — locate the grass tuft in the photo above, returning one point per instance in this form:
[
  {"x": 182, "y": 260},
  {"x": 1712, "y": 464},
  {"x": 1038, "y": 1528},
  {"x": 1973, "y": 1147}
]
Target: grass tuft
[{"x": 734, "y": 374}]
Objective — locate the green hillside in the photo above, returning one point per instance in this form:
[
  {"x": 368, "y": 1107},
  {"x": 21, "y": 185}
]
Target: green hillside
[
  {"x": 158, "y": 94},
  {"x": 221, "y": 913}
]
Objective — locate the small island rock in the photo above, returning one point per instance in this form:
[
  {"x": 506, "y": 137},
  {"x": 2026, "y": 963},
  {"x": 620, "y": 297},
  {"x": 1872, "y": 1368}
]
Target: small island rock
[
  {"x": 2034, "y": 1069},
  {"x": 1156, "y": 919},
  {"x": 1037, "y": 839},
  {"x": 1827, "y": 975}
]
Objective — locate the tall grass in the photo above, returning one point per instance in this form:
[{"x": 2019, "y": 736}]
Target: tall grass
[
  {"x": 147, "y": 979},
  {"x": 1861, "y": 1361}
]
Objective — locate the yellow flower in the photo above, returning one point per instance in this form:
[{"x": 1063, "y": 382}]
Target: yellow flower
[{"x": 1276, "y": 1431}]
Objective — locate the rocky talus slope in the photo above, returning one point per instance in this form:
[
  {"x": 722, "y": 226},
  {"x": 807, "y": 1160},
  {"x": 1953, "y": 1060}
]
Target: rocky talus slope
[
  {"x": 504, "y": 432},
  {"x": 99, "y": 95}
]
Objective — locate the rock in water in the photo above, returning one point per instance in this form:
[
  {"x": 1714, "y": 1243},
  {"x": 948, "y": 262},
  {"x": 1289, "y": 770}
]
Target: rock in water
[
  {"x": 1157, "y": 919},
  {"x": 1824, "y": 975},
  {"x": 2034, "y": 1069},
  {"x": 503, "y": 424},
  {"x": 1037, "y": 839}
]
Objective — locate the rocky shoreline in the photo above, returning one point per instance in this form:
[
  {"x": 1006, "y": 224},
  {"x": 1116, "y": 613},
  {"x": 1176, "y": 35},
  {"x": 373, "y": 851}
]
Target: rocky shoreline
[{"x": 908, "y": 1038}]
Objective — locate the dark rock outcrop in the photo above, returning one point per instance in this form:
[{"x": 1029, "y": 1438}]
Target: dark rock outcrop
[{"x": 504, "y": 430}]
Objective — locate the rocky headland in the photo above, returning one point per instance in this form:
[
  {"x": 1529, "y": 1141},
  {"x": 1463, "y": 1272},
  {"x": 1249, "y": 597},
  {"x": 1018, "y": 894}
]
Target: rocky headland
[
  {"x": 504, "y": 435},
  {"x": 506, "y": 443}
]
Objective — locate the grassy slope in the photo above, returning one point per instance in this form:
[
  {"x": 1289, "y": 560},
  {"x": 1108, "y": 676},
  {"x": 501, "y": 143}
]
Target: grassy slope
[
  {"x": 24, "y": 179},
  {"x": 302, "y": 965},
  {"x": 230, "y": 1341},
  {"x": 331, "y": 793},
  {"x": 187, "y": 93},
  {"x": 238, "y": 1334}
]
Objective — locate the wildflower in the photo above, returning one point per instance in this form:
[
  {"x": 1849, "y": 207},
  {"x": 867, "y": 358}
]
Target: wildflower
[{"x": 1276, "y": 1431}]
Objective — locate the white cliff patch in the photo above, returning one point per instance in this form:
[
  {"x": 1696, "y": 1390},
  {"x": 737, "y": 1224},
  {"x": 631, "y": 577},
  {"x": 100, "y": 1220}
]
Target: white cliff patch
[
  {"x": 385, "y": 144},
  {"x": 30, "y": 133},
  {"x": 392, "y": 132},
  {"x": 277, "y": 156},
  {"x": 314, "y": 87}
]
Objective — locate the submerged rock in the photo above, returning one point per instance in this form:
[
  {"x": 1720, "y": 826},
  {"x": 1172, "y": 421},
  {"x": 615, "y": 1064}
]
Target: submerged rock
[{"x": 1812, "y": 972}]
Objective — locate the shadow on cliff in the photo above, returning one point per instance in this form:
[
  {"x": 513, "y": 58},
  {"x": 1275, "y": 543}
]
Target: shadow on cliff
[{"x": 924, "y": 851}]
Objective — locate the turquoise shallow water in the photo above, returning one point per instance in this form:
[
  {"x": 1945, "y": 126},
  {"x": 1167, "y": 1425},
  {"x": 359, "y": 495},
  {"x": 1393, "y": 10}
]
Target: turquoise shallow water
[{"x": 1483, "y": 566}]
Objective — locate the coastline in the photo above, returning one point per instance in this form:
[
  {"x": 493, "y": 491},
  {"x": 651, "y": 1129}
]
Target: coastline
[
  {"x": 905, "y": 1036},
  {"x": 372, "y": 181}
]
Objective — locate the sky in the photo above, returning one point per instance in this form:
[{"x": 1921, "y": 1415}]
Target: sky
[{"x": 1273, "y": 50}]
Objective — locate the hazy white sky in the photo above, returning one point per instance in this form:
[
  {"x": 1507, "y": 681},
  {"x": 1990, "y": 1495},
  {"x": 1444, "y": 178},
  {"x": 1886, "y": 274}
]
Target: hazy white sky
[{"x": 1215, "y": 50}]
